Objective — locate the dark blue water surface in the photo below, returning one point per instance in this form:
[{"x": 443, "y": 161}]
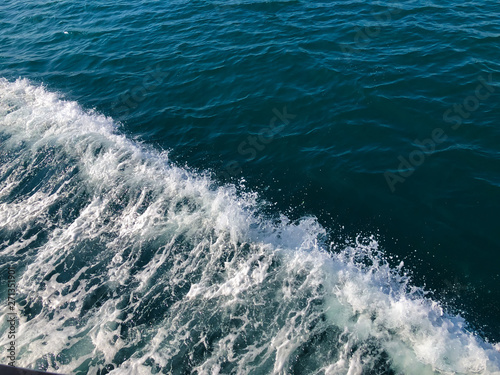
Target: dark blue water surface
[{"x": 266, "y": 165}]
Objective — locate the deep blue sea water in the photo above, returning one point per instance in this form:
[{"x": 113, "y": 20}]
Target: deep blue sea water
[{"x": 251, "y": 187}]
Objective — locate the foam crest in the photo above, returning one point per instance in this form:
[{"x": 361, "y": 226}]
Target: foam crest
[{"x": 131, "y": 265}]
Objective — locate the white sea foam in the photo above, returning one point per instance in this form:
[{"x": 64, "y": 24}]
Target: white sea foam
[{"x": 130, "y": 262}]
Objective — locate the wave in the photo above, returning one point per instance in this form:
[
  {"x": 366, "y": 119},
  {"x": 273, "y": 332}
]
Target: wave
[{"x": 127, "y": 263}]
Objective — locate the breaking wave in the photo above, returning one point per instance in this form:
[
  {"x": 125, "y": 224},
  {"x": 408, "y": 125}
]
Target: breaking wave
[{"x": 128, "y": 264}]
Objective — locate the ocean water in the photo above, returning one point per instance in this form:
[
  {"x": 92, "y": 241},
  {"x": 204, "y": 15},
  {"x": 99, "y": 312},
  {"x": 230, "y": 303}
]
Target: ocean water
[{"x": 251, "y": 187}]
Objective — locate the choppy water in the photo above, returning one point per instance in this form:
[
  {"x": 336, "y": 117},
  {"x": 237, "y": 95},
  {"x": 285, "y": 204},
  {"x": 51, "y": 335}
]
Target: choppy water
[{"x": 251, "y": 187}]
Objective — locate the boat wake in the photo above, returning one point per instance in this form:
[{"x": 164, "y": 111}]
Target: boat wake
[{"x": 127, "y": 264}]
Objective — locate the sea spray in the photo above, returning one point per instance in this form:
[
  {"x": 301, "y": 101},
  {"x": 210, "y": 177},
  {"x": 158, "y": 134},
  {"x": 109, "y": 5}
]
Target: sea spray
[{"x": 129, "y": 264}]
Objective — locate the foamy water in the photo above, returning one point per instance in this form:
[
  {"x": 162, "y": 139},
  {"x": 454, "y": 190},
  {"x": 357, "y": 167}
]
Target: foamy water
[{"x": 129, "y": 263}]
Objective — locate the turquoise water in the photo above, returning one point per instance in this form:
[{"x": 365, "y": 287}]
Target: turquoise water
[{"x": 261, "y": 187}]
